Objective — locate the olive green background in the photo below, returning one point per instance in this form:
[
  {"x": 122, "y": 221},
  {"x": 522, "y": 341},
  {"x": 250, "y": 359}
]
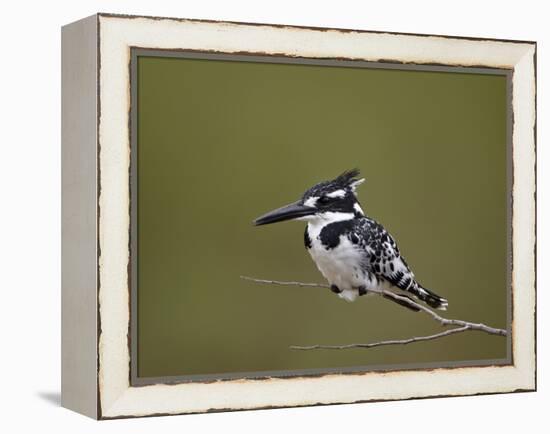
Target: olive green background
[{"x": 221, "y": 142}]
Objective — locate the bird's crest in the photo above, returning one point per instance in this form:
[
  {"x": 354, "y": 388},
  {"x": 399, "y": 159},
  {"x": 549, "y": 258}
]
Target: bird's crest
[{"x": 347, "y": 180}]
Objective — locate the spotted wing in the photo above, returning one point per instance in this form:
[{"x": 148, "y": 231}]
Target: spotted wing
[{"x": 382, "y": 256}]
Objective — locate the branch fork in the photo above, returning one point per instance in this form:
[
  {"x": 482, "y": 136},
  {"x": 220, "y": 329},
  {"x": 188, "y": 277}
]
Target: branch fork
[{"x": 459, "y": 326}]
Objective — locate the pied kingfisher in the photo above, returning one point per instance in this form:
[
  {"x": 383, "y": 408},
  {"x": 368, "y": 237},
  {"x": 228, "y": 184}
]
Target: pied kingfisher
[{"x": 352, "y": 251}]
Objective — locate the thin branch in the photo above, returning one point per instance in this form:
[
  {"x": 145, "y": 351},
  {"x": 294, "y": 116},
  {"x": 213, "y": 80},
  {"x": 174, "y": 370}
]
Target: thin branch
[
  {"x": 462, "y": 326},
  {"x": 379, "y": 344},
  {"x": 278, "y": 282}
]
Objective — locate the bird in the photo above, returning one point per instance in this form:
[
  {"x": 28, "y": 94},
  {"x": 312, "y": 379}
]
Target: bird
[{"x": 353, "y": 252}]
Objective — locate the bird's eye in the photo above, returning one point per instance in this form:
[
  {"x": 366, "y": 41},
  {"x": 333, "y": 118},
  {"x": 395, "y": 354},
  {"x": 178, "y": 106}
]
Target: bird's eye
[{"x": 323, "y": 200}]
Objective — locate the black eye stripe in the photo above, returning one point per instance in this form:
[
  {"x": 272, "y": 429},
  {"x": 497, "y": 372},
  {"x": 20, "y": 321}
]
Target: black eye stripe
[{"x": 324, "y": 199}]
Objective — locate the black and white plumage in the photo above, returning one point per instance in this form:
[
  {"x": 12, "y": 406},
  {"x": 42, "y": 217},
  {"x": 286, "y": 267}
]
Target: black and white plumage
[{"x": 352, "y": 251}]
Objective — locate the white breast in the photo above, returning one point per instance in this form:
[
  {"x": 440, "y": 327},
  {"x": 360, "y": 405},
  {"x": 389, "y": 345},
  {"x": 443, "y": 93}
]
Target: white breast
[{"x": 341, "y": 265}]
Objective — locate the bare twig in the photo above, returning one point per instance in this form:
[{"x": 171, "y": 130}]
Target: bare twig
[
  {"x": 461, "y": 326},
  {"x": 379, "y": 344}
]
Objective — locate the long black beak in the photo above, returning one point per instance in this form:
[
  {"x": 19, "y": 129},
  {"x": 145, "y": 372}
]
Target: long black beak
[{"x": 288, "y": 212}]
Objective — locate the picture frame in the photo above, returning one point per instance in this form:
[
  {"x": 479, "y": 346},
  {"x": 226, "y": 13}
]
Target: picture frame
[{"x": 99, "y": 254}]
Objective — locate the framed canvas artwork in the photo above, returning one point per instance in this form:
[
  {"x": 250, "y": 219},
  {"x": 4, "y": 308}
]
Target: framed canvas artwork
[{"x": 262, "y": 216}]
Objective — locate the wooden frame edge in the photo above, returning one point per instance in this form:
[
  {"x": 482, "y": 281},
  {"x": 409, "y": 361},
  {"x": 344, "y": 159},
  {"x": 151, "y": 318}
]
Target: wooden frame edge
[{"x": 116, "y": 408}]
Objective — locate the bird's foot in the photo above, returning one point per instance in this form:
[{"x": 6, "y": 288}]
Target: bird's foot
[
  {"x": 362, "y": 290},
  {"x": 335, "y": 289}
]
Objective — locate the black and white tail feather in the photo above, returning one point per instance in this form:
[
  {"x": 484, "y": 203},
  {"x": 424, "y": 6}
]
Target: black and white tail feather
[
  {"x": 430, "y": 298},
  {"x": 352, "y": 251}
]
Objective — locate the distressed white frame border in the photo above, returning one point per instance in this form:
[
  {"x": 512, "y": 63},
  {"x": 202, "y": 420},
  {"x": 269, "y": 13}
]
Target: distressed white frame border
[{"x": 117, "y": 34}]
